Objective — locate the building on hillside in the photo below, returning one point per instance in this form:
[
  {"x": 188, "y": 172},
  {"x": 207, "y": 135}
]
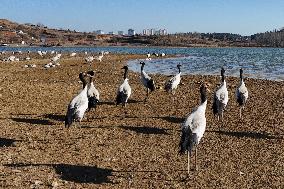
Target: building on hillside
[
  {"x": 131, "y": 32},
  {"x": 99, "y": 32},
  {"x": 120, "y": 33},
  {"x": 146, "y": 32}
]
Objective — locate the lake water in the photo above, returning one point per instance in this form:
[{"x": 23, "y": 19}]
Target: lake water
[{"x": 264, "y": 63}]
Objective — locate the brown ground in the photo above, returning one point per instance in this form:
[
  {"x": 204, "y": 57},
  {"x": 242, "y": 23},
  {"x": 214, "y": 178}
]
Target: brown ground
[{"x": 139, "y": 148}]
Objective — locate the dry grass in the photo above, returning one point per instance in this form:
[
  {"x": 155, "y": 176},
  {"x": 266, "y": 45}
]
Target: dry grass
[{"x": 136, "y": 148}]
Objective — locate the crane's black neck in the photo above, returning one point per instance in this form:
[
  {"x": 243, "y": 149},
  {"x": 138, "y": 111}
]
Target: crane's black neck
[
  {"x": 142, "y": 67},
  {"x": 125, "y": 73},
  {"x": 82, "y": 78},
  {"x": 241, "y": 74},
  {"x": 222, "y": 74},
  {"x": 203, "y": 93},
  {"x": 178, "y": 69},
  {"x": 91, "y": 79}
]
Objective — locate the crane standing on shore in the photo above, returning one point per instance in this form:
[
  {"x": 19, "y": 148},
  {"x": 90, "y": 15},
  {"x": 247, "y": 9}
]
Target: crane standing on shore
[
  {"x": 124, "y": 90},
  {"x": 241, "y": 93},
  {"x": 147, "y": 81},
  {"x": 78, "y": 105},
  {"x": 193, "y": 128},
  {"x": 220, "y": 98}
]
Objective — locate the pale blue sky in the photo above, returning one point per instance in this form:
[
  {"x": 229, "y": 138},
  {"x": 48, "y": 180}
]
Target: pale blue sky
[{"x": 245, "y": 17}]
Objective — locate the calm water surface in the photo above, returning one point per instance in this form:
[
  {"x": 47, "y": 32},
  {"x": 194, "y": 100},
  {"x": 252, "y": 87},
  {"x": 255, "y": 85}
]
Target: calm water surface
[{"x": 264, "y": 63}]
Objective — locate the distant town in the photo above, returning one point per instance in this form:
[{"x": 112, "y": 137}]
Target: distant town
[
  {"x": 15, "y": 34},
  {"x": 131, "y": 32}
]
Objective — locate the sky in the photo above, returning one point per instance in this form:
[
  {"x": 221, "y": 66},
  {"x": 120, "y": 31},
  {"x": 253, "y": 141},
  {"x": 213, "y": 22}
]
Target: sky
[{"x": 245, "y": 17}]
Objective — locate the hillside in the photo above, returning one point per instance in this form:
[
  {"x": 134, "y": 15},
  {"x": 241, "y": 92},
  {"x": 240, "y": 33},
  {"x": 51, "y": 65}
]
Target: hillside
[{"x": 35, "y": 35}]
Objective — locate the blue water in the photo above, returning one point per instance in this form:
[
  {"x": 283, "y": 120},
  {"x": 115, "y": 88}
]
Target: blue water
[{"x": 264, "y": 63}]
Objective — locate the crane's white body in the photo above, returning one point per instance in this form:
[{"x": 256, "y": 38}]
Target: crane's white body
[
  {"x": 242, "y": 95},
  {"x": 73, "y": 54},
  {"x": 89, "y": 59},
  {"x": 222, "y": 94},
  {"x": 221, "y": 99},
  {"x": 100, "y": 57},
  {"x": 196, "y": 121},
  {"x": 92, "y": 91},
  {"x": 125, "y": 89},
  {"x": 145, "y": 78},
  {"x": 242, "y": 91},
  {"x": 78, "y": 106},
  {"x": 172, "y": 84}
]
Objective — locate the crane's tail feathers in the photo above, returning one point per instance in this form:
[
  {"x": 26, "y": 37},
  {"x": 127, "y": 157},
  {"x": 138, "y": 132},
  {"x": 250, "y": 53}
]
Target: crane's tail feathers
[
  {"x": 151, "y": 85},
  {"x": 121, "y": 98},
  {"x": 241, "y": 99},
  {"x": 68, "y": 121},
  {"x": 188, "y": 141},
  {"x": 215, "y": 105},
  {"x": 93, "y": 101}
]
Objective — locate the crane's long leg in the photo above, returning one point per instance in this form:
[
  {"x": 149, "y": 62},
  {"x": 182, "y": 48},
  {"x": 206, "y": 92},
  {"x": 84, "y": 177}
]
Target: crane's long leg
[
  {"x": 145, "y": 100},
  {"x": 188, "y": 161},
  {"x": 241, "y": 112},
  {"x": 196, "y": 167}
]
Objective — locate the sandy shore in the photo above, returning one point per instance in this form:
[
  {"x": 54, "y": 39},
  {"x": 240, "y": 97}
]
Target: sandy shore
[{"x": 139, "y": 148}]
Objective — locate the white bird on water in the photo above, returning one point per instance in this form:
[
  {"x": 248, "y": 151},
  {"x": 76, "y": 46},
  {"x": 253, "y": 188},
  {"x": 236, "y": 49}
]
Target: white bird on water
[
  {"x": 221, "y": 98},
  {"x": 147, "y": 81},
  {"x": 124, "y": 90},
  {"x": 92, "y": 93},
  {"x": 193, "y": 128},
  {"x": 172, "y": 84},
  {"x": 241, "y": 93},
  {"x": 78, "y": 105}
]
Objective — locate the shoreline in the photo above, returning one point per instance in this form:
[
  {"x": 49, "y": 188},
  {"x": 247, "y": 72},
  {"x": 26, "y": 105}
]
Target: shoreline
[{"x": 134, "y": 46}]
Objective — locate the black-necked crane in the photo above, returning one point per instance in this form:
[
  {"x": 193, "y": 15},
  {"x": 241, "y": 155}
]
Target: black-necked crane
[
  {"x": 92, "y": 93},
  {"x": 78, "y": 105},
  {"x": 124, "y": 90},
  {"x": 172, "y": 84},
  {"x": 221, "y": 98},
  {"x": 147, "y": 81},
  {"x": 193, "y": 128},
  {"x": 241, "y": 93}
]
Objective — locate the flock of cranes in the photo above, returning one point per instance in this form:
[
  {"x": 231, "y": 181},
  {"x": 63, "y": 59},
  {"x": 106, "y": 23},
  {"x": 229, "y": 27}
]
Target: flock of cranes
[{"x": 192, "y": 130}]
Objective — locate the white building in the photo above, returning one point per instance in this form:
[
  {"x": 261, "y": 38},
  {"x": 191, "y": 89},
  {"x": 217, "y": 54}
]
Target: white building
[
  {"x": 163, "y": 32},
  {"x": 100, "y": 32},
  {"x": 131, "y": 32},
  {"x": 120, "y": 33},
  {"x": 152, "y": 31},
  {"x": 146, "y": 32}
]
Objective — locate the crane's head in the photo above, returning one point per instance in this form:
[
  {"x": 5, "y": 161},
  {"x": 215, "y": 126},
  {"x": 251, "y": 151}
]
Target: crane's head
[
  {"x": 125, "y": 67},
  {"x": 82, "y": 75},
  {"x": 222, "y": 71},
  {"x": 91, "y": 73},
  {"x": 143, "y": 63}
]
